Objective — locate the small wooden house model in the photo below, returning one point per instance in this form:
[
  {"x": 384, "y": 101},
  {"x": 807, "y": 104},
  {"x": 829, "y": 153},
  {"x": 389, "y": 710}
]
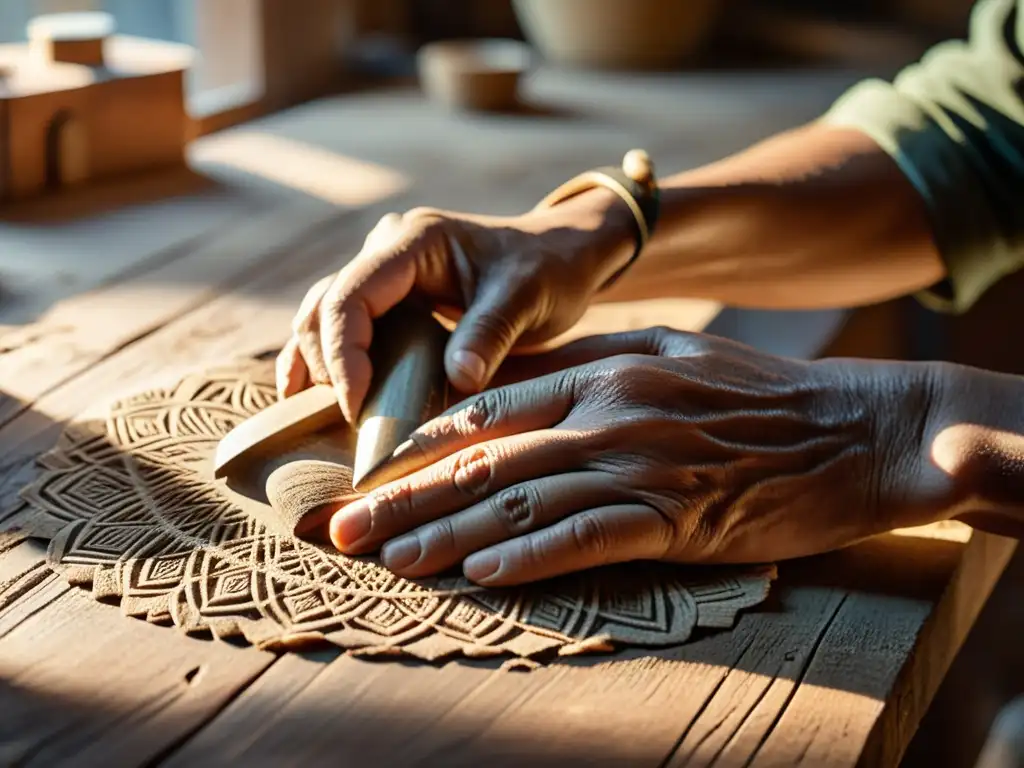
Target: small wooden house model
[{"x": 79, "y": 103}]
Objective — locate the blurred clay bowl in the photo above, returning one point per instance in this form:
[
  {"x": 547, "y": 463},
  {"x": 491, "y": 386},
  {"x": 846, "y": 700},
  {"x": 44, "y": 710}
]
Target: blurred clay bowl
[
  {"x": 474, "y": 75},
  {"x": 617, "y": 34}
]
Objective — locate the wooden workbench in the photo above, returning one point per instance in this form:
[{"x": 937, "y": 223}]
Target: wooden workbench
[{"x": 836, "y": 669}]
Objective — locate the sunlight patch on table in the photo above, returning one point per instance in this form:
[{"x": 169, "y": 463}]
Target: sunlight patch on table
[
  {"x": 945, "y": 530},
  {"x": 338, "y": 179}
]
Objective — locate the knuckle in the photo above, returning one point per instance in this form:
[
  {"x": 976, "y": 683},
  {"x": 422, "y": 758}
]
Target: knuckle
[
  {"x": 388, "y": 220},
  {"x": 666, "y": 533},
  {"x": 617, "y": 378},
  {"x": 421, "y": 214},
  {"x": 390, "y": 507},
  {"x": 332, "y": 313},
  {"x": 497, "y": 326},
  {"x": 686, "y": 344},
  {"x": 485, "y": 412},
  {"x": 590, "y": 534},
  {"x": 660, "y": 339},
  {"x": 531, "y": 551},
  {"x": 304, "y": 321},
  {"x": 473, "y": 471},
  {"x": 516, "y": 509},
  {"x": 309, "y": 306},
  {"x": 384, "y": 226},
  {"x": 440, "y": 536},
  {"x": 622, "y": 365}
]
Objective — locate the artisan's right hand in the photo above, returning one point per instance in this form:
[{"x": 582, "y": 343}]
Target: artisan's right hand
[{"x": 509, "y": 281}]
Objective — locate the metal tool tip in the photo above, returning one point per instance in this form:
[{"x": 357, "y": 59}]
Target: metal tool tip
[{"x": 378, "y": 438}]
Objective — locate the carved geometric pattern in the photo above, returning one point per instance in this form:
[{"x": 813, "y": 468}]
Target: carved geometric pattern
[{"x": 132, "y": 511}]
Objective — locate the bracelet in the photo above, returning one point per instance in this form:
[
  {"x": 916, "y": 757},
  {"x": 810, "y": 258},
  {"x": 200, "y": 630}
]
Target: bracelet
[{"x": 634, "y": 182}]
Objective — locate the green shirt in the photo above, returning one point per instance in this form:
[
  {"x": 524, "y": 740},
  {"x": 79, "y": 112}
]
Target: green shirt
[{"x": 954, "y": 122}]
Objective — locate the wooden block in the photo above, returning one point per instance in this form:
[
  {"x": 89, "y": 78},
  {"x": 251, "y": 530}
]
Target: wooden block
[
  {"x": 71, "y": 38},
  {"x": 83, "y": 104},
  {"x": 276, "y": 428}
]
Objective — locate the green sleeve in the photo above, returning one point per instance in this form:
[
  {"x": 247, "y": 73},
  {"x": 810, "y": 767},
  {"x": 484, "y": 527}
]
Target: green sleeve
[{"x": 954, "y": 122}]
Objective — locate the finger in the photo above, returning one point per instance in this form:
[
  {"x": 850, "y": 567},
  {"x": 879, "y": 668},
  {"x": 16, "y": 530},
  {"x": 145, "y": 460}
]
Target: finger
[
  {"x": 601, "y": 536},
  {"x": 515, "y": 409},
  {"x": 487, "y": 331},
  {"x": 345, "y": 338},
  {"x": 308, "y": 342},
  {"x": 518, "y": 509},
  {"x": 306, "y": 330},
  {"x": 375, "y": 281},
  {"x": 449, "y": 486},
  {"x": 310, "y": 302},
  {"x": 290, "y": 369}
]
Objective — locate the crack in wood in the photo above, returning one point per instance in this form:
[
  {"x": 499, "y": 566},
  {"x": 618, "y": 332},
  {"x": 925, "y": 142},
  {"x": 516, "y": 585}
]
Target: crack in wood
[
  {"x": 19, "y": 338},
  {"x": 668, "y": 759},
  {"x": 797, "y": 682}
]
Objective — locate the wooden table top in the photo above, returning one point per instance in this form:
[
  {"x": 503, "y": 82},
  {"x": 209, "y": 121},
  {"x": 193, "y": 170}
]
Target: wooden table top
[{"x": 100, "y": 298}]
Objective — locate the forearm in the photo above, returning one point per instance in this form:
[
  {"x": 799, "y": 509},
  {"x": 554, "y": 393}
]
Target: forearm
[
  {"x": 815, "y": 217},
  {"x": 825, "y": 215}
]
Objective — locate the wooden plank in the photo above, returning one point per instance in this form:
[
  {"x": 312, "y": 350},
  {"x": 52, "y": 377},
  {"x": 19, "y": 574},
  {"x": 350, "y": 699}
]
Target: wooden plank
[
  {"x": 56, "y": 246},
  {"x": 84, "y": 329},
  {"x": 810, "y": 677},
  {"x": 744, "y": 708},
  {"x": 878, "y": 667},
  {"x": 34, "y": 592},
  {"x": 520, "y": 710},
  {"x": 82, "y": 685},
  {"x": 630, "y": 709},
  {"x": 27, "y": 585}
]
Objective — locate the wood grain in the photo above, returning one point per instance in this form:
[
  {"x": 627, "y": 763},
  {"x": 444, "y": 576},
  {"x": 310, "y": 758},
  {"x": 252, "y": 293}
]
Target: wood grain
[
  {"x": 85, "y": 329},
  {"x": 808, "y": 680},
  {"x": 81, "y": 685}
]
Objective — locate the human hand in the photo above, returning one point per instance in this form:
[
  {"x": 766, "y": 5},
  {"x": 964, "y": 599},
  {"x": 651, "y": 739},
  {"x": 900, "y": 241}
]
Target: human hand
[
  {"x": 518, "y": 280},
  {"x": 657, "y": 445}
]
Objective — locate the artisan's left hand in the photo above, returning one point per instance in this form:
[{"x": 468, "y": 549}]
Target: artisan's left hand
[{"x": 657, "y": 445}]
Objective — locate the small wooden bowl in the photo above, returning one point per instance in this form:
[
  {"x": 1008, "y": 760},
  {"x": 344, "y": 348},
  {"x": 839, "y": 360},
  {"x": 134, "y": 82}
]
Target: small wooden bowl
[{"x": 474, "y": 75}]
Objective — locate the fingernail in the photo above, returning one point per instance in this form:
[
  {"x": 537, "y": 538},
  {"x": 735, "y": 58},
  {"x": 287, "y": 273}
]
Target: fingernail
[
  {"x": 470, "y": 364},
  {"x": 350, "y": 525},
  {"x": 482, "y": 565},
  {"x": 401, "y": 553}
]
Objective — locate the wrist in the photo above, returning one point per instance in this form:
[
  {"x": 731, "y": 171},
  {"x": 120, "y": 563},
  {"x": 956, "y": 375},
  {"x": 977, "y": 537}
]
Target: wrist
[
  {"x": 977, "y": 442},
  {"x": 602, "y": 231},
  {"x": 900, "y": 408}
]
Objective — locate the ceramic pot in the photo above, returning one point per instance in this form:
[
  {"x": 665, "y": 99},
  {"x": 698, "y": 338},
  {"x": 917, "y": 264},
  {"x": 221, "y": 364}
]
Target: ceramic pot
[
  {"x": 474, "y": 74},
  {"x": 617, "y": 34}
]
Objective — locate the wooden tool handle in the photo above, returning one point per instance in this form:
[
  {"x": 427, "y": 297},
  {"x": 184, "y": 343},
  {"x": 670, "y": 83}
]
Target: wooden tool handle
[
  {"x": 407, "y": 354},
  {"x": 409, "y": 385}
]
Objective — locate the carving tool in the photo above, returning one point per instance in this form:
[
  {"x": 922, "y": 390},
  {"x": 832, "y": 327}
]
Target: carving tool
[{"x": 408, "y": 388}]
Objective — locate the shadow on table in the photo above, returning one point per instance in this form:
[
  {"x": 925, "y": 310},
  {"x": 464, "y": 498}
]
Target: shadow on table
[
  {"x": 360, "y": 718},
  {"x": 108, "y": 196}
]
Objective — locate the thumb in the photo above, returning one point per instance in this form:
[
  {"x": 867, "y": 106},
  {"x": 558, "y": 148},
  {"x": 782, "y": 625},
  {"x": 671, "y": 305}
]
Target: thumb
[{"x": 486, "y": 333}]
